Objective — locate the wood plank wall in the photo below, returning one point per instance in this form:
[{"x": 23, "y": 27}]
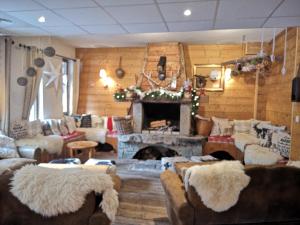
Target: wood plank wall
[
  {"x": 172, "y": 51},
  {"x": 295, "y": 154},
  {"x": 93, "y": 97},
  {"x": 236, "y": 102},
  {"x": 275, "y": 93}
]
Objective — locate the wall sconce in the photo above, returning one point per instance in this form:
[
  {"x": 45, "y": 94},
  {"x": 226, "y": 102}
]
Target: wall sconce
[
  {"x": 102, "y": 73},
  {"x": 106, "y": 80},
  {"x": 227, "y": 74}
]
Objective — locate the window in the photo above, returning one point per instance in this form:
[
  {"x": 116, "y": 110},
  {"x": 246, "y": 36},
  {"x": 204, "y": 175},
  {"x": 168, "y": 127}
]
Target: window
[
  {"x": 65, "y": 87},
  {"x": 37, "y": 109}
]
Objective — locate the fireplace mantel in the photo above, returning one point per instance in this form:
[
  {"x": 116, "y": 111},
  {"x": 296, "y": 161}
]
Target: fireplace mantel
[{"x": 164, "y": 101}]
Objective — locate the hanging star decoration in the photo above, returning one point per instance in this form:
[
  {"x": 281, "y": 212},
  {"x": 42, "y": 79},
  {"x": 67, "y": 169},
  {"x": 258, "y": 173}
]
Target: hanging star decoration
[{"x": 53, "y": 73}]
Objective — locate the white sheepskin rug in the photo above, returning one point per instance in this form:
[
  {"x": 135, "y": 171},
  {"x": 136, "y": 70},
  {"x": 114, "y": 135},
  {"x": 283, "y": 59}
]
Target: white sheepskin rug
[
  {"x": 50, "y": 192},
  {"x": 219, "y": 184},
  {"x": 53, "y": 144}
]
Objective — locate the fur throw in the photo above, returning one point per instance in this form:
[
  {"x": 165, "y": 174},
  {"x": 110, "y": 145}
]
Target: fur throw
[
  {"x": 94, "y": 134},
  {"x": 53, "y": 144},
  {"x": 219, "y": 184},
  {"x": 50, "y": 192}
]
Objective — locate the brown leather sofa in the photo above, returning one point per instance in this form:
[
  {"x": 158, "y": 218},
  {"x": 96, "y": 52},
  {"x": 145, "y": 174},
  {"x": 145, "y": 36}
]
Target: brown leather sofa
[
  {"x": 272, "y": 197},
  {"x": 13, "y": 212}
]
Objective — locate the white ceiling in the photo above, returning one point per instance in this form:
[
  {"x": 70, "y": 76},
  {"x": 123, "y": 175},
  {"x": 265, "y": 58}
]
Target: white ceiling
[{"x": 87, "y": 23}]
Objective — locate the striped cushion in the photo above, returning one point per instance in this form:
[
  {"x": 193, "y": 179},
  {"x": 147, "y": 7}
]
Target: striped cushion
[{"x": 221, "y": 139}]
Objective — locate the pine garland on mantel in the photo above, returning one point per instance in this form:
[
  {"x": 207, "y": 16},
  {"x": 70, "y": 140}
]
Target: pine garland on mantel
[{"x": 158, "y": 94}]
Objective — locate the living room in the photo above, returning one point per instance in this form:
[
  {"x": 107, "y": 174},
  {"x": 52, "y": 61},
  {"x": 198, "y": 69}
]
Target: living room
[{"x": 149, "y": 112}]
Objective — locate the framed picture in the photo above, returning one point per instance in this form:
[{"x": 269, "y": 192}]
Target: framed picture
[{"x": 209, "y": 77}]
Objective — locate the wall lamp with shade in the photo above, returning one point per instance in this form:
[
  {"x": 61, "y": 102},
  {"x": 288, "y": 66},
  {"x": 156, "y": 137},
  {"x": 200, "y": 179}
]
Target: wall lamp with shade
[{"x": 106, "y": 80}]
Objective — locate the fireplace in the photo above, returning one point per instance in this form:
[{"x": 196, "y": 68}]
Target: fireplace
[{"x": 162, "y": 117}]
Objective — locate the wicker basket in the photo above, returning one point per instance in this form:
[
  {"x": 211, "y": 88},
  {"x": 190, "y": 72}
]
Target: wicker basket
[
  {"x": 203, "y": 126},
  {"x": 123, "y": 125}
]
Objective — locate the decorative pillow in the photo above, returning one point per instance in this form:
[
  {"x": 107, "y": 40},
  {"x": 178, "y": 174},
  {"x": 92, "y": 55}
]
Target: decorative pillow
[
  {"x": 34, "y": 128},
  {"x": 97, "y": 121},
  {"x": 242, "y": 126},
  {"x": 226, "y": 128},
  {"x": 86, "y": 121},
  {"x": 70, "y": 123},
  {"x": 63, "y": 128},
  {"x": 254, "y": 124},
  {"x": 219, "y": 125},
  {"x": 19, "y": 129},
  {"x": 8, "y": 148},
  {"x": 281, "y": 143},
  {"x": 46, "y": 129},
  {"x": 265, "y": 132},
  {"x": 54, "y": 126},
  {"x": 77, "y": 119}
]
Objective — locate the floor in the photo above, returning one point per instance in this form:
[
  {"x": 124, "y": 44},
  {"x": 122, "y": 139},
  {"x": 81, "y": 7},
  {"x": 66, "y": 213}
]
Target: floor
[{"x": 142, "y": 198}]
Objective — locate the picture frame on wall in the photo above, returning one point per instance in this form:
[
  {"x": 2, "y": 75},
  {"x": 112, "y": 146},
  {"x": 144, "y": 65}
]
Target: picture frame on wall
[{"x": 209, "y": 77}]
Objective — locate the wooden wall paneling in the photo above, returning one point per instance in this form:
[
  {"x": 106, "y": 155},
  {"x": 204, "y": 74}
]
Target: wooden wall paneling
[{"x": 295, "y": 127}]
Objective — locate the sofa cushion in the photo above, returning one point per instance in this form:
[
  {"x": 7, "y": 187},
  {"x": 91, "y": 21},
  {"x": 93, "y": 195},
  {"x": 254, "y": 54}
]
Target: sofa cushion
[
  {"x": 54, "y": 126},
  {"x": 46, "y": 128},
  {"x": 258, "y": 155},
  {"x": 281, "y": 143},
  {"x": 19, "y": 129},
  {"x": 219, "y": 126},
  {"x": 97, "y": 121},
  {"x": 70, "y": 123},
  {"x": 73, "y": 135},
  {"x": 63, "y": 127},
  {"x": 253, "y": 126},
  {"x": 8, "y": 148},
  {"x": 241, "y": 140},
  {"x": 34, "y": 128},
  {"x": 86, "y": 121},
  {"x": 242, "y": 126}
]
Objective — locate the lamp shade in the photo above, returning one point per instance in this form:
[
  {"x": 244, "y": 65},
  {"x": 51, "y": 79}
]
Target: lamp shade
[{"x": 102, "y": 73}]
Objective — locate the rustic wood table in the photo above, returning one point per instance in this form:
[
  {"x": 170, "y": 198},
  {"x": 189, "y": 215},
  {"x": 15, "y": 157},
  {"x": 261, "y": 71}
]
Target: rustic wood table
[{"x": 88, "y": 146}]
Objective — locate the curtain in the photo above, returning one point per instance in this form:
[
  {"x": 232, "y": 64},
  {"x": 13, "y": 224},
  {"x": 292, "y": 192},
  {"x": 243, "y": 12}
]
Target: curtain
[
  {"x": 74, "y": 68},
  {"x": 33, "y": 84},
  {"x": 5, "y": 74}
]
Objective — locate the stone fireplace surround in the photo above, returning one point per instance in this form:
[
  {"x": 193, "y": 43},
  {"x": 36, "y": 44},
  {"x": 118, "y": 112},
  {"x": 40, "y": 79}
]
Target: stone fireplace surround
[{"x": 183, "y": 143}]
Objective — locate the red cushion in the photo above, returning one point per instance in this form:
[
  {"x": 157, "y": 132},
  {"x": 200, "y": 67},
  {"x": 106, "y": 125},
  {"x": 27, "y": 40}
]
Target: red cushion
[
  {"x": 109, "y": 123},
  {"x": 221, "y": 139},
  {"x": 74, "y": 135}
]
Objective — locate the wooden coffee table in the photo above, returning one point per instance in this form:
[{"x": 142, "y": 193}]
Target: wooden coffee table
[{"x": 88, "y": 146}]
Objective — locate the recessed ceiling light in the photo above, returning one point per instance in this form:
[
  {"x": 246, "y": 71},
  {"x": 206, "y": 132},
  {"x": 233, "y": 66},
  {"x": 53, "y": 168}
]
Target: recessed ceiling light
[
  {"x": 42, "y": 19},
  {"x": 187, "y": 12}
]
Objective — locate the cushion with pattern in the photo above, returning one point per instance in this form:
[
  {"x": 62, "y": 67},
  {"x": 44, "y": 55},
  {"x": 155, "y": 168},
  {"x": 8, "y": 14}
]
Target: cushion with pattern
[
  {"x": 86, "y": 121},
  {"x": 19, "y": 129},
  {"x": 8, "y": 148},
  {"x": 46, "y": 129}
]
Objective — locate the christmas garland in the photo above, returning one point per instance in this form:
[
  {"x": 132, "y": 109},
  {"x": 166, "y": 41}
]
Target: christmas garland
[{"x": 159, "y": 94}]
